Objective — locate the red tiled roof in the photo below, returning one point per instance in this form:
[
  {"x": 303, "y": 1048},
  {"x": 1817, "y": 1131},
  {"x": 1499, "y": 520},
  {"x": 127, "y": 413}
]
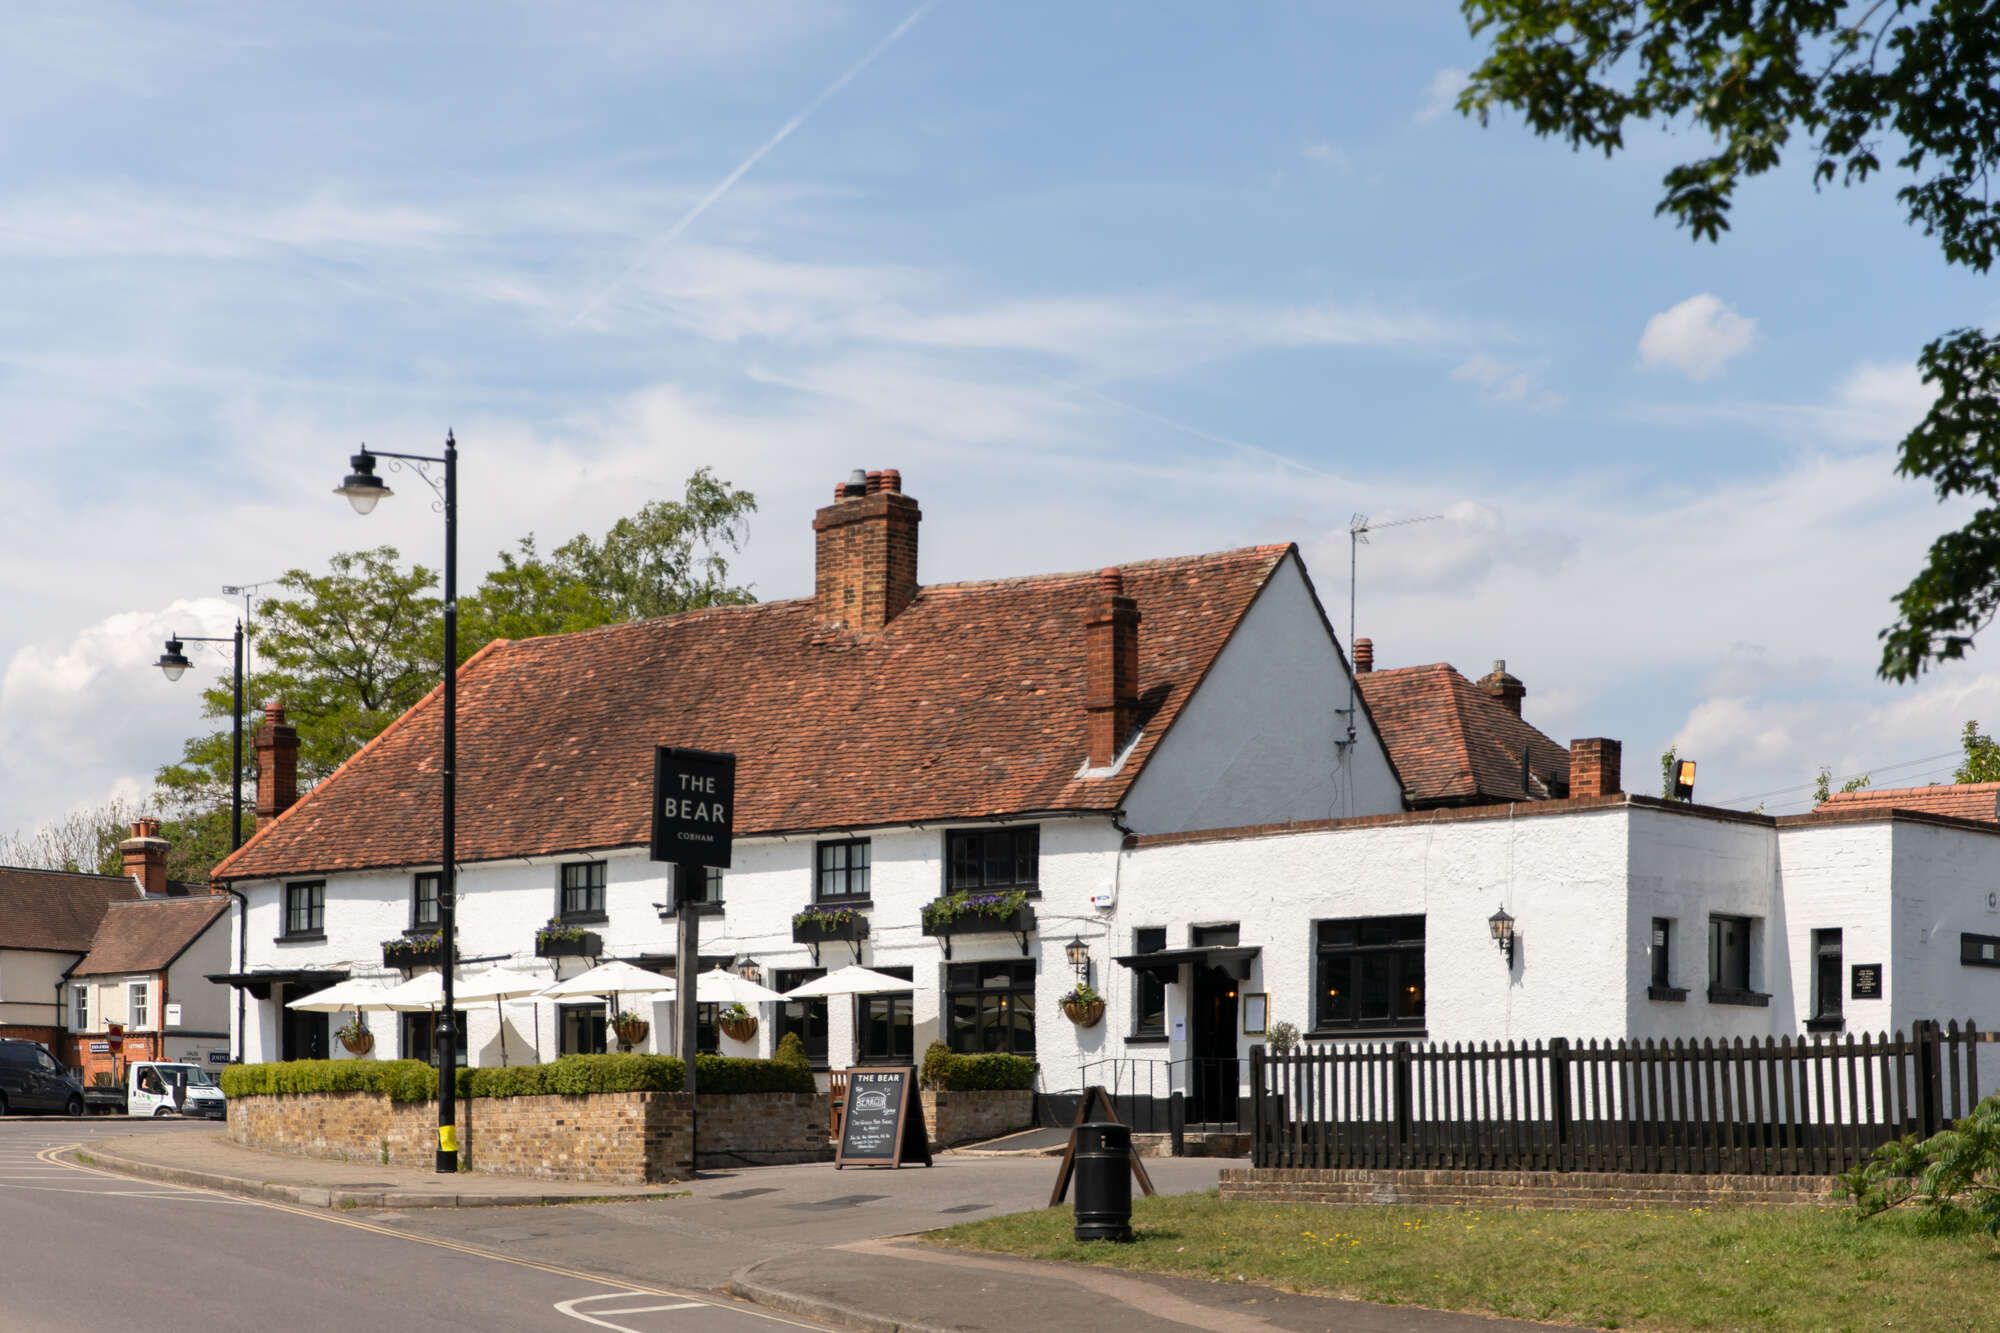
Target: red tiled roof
[
  {"x": 1962, "y": 800},
  {"x": 147, "y": 935},
  {"x": 1455, "y": 744},
  {"x": 968, "y": 706},
  {"x": 55, "y": 909}
]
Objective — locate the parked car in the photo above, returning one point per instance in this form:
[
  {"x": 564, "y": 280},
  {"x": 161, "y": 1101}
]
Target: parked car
[{"x": 31, "y": 1080}]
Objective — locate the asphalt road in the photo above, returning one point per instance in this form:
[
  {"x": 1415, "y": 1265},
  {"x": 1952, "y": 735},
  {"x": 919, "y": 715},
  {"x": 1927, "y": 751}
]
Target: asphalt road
[{"x": 88, "y": 1251}]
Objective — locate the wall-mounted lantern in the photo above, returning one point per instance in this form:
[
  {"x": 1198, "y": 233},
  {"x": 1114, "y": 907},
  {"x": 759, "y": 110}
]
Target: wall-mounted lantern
[
  {"x": 1078, "y": 954},
  {"x": 1502, "y": 927}
]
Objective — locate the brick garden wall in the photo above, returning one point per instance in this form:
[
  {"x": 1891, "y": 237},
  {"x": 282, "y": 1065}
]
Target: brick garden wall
[
  {"x": 627, "y": 1138},
  {"x": 963, "y": 1117},
  {"x": 1519, "y": 1189}
]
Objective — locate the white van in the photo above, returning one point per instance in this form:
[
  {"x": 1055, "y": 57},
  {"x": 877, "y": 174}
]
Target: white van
[{"x": 159, "y": 1087}]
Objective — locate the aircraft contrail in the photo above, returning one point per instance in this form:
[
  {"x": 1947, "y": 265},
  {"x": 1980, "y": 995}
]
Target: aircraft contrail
[{"x": 688, "y": 218}]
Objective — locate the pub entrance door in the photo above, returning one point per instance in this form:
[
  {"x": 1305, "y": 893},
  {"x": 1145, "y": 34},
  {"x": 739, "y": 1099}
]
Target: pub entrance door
[{"x": 1213, "y": 1072}]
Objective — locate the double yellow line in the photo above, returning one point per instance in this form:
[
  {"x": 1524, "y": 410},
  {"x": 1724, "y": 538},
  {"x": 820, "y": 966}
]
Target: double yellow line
[{"x": 54, "y": 1157}]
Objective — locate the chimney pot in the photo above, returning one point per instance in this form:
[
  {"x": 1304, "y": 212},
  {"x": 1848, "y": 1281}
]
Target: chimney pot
[
  {"x": 1593, "y": 767},
  {"x": 277, "y": 744},
  {"x": 1111, "y": 666},
  {"x": 1506, "y": 688},
  {"x": 143, "y": 856},
  {"x": 1364, "y": 655},
  {"x": 866, "y": 556}
]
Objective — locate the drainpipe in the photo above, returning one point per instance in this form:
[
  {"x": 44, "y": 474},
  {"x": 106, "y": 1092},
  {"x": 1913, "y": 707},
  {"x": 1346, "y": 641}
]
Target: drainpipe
[{"x": 242, "y": 958}]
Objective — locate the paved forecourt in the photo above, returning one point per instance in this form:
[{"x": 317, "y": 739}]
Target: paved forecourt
[{"x": 194, "y": 1260}]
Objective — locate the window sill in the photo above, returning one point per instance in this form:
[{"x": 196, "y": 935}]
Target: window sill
[
  {"x": 583, "y": 918},
  {"x": 857, "y": 904},
  {"x": 1032, "y": 893},
  {"x": 316, "y": 937},
  {"x": 1834, "y": 1023},
  {"x": 1147, "y": 1039},
  {"x": 1747, "y": 998},
  {"x": 1417, "y": 1033},
  {"x": 420, "y": 932},
  {"x": 1667, "y": 994}
]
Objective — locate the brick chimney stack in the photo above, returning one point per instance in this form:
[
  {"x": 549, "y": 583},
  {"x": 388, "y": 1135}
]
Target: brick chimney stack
[
  {"x": 1364, "y": 655},
  {"x": 144, "y": 856},
  {"x": 1593, "y": 767},
  {"x": 1111, "y": 685},
  {"x": 867, "y": 552},
  {"x": 277, "y": 763},
  {"x": 1508, "y": 689}
]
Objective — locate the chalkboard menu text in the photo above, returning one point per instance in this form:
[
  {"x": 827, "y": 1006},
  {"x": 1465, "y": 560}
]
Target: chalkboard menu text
[{"x": 884, "y": 1120}]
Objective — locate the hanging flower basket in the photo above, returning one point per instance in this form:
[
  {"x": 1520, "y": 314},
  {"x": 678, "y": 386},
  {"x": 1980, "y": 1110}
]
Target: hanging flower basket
[
  {"x": 1085, "y": 1014},
  {"x": 737, "y": 1023},
  {"x": 1083, "y": 1006},
  {"x": 630, "y": 1029},
  {"x": 357, "y": 1039}
]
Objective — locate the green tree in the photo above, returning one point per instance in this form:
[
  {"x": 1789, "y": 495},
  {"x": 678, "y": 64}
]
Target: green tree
[
  {"x": 1668, "y": 758},
  {"x": 1846, "y": 79},
  {"x": 1823, "y": 785},
  {"x": 85, "y": 840},
  {"x": 349, "y": 650},
  {"x": 1982, "y": 756}
]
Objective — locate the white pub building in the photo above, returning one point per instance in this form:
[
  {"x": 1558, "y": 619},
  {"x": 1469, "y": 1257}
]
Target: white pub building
[{"x": 1166, "y": 777}]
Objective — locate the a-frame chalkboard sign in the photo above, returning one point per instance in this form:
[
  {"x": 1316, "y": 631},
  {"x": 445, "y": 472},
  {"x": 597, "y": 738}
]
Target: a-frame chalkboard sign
[{"x": 884, "y": 1121}]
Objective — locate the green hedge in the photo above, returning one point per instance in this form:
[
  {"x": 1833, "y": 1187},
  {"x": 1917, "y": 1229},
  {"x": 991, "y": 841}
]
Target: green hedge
[
  {"x": 572, "y": 1075},
  {"x": 947, "y": 1072}
]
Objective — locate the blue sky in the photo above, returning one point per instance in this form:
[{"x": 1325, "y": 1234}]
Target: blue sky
[{"x": 1105, "y": 282}]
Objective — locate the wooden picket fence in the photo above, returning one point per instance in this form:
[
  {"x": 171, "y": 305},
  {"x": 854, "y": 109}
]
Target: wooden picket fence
[{"x": 1777, "y": 1106}]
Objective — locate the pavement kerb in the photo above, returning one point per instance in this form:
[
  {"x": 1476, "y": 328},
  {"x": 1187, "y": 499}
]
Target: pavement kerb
[
  {"x": 744, "y": 1286},
  {"x": 313, "y": 1196}
]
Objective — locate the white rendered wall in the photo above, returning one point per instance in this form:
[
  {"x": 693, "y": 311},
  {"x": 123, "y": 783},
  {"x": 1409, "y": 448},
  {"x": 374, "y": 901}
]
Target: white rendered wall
[
  {"x": 1839, "y": 877},
  {"x": 1947, "y": 883},
  {"x": 1257, "y": 744},
  {"x": 502, "y": 904},
  {"x": 205, "y": 1007}
]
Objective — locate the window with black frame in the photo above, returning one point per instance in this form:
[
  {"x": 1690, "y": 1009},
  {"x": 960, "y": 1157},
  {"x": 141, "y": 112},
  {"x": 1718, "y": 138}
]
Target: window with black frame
[
  {"x": 997, "y": 858},
  {"x": 580, "y": 1029},
  {"x": 885, "y": 1026},
  {"x": 807, "y": 1018},
  {"x": 1729, "y": 951},
  {"x": 424, "y": 900},
  {"x": 843, "y": 871},
  {"x": 582, "y": 897},
  {"x": 1149, "y": 989},
  {"x": 305, "y": 909},
  {"x": 417, "y": 1039},
  {"x": 1369, "y": 973},
  {"x": 1828, "y": 1009},
  {"x": 991, "y": 1007},
  {"x": 707, "y": 1029}
]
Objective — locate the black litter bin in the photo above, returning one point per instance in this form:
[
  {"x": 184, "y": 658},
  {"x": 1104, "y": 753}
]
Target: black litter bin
[{"x": 1103, "y": 1182}]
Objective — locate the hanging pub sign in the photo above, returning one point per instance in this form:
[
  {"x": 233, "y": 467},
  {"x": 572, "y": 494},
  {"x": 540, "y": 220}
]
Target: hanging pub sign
[
  {"x": 694, "y": 806},
  {"x": 883, "y": 1123}
]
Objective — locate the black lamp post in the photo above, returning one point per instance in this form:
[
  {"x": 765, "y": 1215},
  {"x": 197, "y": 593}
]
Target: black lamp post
[
  {"x": 363, "y": 490},
  {"x": 173, "y": 665}
]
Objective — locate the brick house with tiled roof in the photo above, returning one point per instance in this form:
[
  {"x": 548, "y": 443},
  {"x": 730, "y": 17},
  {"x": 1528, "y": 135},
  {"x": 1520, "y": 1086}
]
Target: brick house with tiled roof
[
  {"x": 147, "y": 973},
  {"x": 1960, "y": 800}
]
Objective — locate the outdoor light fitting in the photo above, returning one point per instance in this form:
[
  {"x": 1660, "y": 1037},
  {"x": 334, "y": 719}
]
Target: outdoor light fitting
[
  {"x": 1501, "y": 926},
  {"x": 174, "y": 663},
  {"x": 1078, "y": 954},
  {"x": 362, "y": 487}
]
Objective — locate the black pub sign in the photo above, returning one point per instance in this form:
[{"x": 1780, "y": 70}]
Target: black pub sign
[
  {"x": 1867, "y": 981},
  {"x": 694, "y": 806}
]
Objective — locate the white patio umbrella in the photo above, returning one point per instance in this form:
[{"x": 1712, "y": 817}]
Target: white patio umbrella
[
  {"x": 496, "y": 985},
  {"x": 423, "y": 993},
  {"x": 355, "y": 993},
  {"x": 851, "y": 980},
  {"x": 719, "y": 985},
  {"x": 608, "y": 981}
]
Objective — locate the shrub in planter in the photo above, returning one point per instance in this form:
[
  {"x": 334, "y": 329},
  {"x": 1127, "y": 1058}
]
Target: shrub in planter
[
  {"x": 1083, "y": 1006},
  {"x": 570, "y": 1076},
  {"x": 1282, "y": 1037},
  {"x": 964, "y": 908},
  {"x": 399, "y": 1080},
  {"x": 944, "y": 1071},
  {"x": 406, "y": 951},
  {"x": 791, "y": 1051},
  {"x": 556, "y": 940}
]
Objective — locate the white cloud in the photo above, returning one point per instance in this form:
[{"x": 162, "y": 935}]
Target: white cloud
[
  {"x": 1506, "y": 381},
  {"x": 1441, "y": 93},
  {"x": 1698, "y": 337},
  {"x": 1325, "y": 153}
]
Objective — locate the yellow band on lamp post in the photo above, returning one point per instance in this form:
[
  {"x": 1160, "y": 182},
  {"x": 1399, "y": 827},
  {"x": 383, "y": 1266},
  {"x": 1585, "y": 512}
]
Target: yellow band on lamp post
[{"x": 447, "y": 1138}]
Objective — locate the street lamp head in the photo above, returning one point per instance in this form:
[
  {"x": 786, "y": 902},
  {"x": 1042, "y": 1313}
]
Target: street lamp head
[
  {"x": 173, "y": 663},
  {"x": 362, "y": 487}
]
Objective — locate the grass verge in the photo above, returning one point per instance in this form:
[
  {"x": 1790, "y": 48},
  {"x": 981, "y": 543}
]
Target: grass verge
[{"x": 1783, "y": 1268}]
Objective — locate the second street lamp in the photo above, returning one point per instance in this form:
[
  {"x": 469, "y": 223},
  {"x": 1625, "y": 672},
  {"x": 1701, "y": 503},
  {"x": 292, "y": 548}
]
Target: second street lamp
[
  {"x": 364, "y": 489},
  {"x": 173, "y": 665}
]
